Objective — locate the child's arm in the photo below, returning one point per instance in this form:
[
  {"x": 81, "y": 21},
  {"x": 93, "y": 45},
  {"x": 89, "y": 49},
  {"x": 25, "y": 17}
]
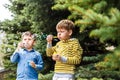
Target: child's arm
[
  {"x": 58, "y": 57},
  {"x": 15, "y": 55},
  {"x": 77, "y": 54},
  {"x": 39, "y": 65},
  {"x": 49, "y": 50}
]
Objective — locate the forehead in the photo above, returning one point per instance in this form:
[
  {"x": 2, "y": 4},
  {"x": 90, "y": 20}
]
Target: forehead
[
  {"x": 61, "y": 29},
  {"x": 26, "y": 36}
]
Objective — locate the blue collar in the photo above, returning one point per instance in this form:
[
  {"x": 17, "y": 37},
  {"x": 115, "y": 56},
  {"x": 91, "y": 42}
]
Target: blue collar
[{"x": 29, "y": 51}]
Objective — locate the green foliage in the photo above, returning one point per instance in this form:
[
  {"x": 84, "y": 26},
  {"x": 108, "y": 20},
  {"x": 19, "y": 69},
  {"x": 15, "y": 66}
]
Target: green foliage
[
  {"x": 92, "y": 58},
  {"x": 103, "y": 32},
  {"x": 89, "y": 74},
  {"x": 111, "y": 61},
  {"x": 46, "y": 77},
  {"x": 99, "y": 23},
  {"x": 29, "y": 15}
]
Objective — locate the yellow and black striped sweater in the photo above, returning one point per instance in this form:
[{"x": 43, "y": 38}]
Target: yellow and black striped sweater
[{"x": 72, "y": 50}]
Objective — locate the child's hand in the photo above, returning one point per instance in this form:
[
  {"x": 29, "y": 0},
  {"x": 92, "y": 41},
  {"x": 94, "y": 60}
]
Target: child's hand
[
  {"x": 49, "y": 38},
  {"x": 19, "y": 46},
  {"x": 56, "y": 57},
  {"x": 32, "y": 64}
]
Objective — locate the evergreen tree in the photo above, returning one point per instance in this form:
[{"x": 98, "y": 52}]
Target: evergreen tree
[
  {"x": 99, "y": 27},
  {"x": 29, "y": 15}
]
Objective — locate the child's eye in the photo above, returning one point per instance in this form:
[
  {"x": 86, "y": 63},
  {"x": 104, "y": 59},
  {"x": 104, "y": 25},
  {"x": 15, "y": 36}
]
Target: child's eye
[
  {"x": 62, "y": 31},
  {"x": 29, "y": 39},
  {"x": 25, "y": 39}
]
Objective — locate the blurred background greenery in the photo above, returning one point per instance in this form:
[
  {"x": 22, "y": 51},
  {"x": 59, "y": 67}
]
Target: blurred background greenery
[{"x": 97, "y": 28}]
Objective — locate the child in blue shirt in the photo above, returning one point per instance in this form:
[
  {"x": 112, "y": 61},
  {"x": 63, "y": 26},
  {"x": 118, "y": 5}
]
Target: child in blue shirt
[{"x": 28, "y": 59}]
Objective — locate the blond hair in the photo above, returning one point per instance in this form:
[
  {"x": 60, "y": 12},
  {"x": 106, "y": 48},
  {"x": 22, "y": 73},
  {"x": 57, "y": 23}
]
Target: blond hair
[
  {"x": 28, "y": 33},
  {"x": 65, "y": 24}
]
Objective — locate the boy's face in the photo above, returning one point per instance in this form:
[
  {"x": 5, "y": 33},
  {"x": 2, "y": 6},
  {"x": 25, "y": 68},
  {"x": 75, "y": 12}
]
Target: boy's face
[
  {"x": 28, "y": 42},
  {"x": 63, "y": 34}
]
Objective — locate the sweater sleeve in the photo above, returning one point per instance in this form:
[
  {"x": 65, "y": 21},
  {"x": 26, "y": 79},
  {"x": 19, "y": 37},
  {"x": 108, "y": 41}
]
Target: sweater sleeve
[
  {"x": 50, "y": 51},
  {"x": 76, "y": 54}
]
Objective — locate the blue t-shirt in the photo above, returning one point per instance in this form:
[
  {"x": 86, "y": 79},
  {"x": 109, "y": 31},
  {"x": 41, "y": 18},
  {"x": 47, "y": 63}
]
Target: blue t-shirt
[{"x": 24, "y": 70}]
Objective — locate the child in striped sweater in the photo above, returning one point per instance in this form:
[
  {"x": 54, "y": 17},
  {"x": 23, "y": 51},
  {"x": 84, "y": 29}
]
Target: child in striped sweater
[{"x": 67, "y": 52}]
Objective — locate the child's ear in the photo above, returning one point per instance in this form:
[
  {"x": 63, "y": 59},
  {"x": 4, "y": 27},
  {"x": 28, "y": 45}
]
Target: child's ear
[{"x": 70, "y": 32}]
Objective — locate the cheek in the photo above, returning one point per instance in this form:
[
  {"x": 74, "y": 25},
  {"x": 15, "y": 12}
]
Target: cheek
[
  {"x": 64, "y": 34},
  {"x": 31, "y": 42}
]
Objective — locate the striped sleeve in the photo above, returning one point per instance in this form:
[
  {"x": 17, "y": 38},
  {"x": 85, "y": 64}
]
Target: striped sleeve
[
  {"x": 77, "y": 54},
  {"x": 50, "y": 51}
]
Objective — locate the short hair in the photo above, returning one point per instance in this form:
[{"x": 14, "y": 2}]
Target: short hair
[
  {"x": 65, "y": 24},
  {"x": 28, "y": 33}
]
